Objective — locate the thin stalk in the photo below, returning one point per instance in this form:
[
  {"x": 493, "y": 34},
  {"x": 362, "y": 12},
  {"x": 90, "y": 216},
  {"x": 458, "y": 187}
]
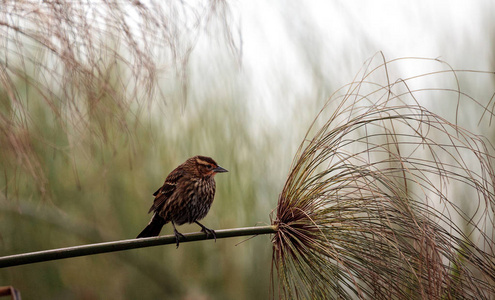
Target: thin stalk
[{"x": 91, "y": 249}]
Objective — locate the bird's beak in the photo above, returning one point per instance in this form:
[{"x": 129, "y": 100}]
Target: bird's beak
[{"x": 219, "y": 170}]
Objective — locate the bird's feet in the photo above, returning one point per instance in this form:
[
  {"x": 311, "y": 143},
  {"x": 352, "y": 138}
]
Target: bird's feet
[
  {"x": 209, "y": 232},
  {"x": 178, "y": 236}
]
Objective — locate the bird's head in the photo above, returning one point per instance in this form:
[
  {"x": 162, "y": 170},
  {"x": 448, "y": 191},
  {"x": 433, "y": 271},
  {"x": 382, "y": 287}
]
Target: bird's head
[{"x": 206, "y": 166}]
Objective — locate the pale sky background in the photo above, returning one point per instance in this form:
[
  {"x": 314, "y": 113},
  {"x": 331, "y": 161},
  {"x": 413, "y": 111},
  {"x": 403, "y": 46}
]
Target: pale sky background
[{"x": 281, "y": 39}]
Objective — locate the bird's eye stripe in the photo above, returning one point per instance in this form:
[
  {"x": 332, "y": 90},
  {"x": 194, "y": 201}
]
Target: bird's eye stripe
[{"x": 202, "y": 162}]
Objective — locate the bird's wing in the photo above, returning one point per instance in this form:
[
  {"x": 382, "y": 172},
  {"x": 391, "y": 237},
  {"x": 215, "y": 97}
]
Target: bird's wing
[{"x": 167, "y": 189}]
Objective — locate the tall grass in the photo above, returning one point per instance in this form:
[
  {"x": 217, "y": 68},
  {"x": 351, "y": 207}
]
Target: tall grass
[
  {"x": 93, "y": 66},
  {"x": 89, "y": 128}
]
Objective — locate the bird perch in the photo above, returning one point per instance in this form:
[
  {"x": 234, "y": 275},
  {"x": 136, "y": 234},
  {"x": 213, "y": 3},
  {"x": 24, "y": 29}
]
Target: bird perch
[{"x": 91, "y": 249}]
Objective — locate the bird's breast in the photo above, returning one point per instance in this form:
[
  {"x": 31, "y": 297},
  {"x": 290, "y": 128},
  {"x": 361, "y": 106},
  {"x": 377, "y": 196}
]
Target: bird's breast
[{"x": 196, "y": 202}]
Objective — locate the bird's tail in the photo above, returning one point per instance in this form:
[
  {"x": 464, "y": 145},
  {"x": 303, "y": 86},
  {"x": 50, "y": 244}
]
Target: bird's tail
[{"x": 154, "y": 227}]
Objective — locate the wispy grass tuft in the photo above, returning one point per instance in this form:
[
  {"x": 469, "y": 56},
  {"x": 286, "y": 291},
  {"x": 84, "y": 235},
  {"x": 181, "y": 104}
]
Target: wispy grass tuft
[
  {"x": 387, "y": 199},
  {"x": 92, "y": 68}
]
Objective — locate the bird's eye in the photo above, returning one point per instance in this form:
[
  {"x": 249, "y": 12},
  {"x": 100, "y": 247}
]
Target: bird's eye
[{"x": 209, "y": 167}]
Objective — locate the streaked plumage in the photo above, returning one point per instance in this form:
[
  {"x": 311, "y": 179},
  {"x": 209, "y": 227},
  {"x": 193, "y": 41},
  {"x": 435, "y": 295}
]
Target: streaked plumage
[{"x": 185, "y": 197}]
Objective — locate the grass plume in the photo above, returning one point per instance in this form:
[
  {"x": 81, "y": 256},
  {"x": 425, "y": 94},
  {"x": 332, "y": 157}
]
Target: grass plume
[{"x": 387, "y": 199}]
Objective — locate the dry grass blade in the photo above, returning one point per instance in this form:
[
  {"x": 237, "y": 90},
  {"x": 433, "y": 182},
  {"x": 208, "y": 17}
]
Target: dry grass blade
[{"x": 387, "y": 199}]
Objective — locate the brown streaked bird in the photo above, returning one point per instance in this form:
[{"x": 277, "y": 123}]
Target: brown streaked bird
[{"x": 185, "y": 197}]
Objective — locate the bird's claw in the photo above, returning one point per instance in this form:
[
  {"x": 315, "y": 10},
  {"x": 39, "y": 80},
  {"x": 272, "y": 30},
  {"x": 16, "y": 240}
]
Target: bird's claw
[
  {"x": 209, "y": 232},
  {"x": 178, "y": 236}
]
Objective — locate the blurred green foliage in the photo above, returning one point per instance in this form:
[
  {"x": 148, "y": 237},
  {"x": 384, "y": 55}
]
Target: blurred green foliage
[
  {"x": 99, "y": 181},
  {"x": 84, "y": 170}
]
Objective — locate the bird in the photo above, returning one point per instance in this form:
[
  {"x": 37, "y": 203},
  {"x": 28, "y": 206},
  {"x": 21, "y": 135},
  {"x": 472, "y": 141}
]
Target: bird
[{"x": 185, "y": 197}]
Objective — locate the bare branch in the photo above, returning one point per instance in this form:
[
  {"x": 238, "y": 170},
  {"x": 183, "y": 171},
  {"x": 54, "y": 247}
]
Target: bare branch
[{"x": 92, "y": 249}]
